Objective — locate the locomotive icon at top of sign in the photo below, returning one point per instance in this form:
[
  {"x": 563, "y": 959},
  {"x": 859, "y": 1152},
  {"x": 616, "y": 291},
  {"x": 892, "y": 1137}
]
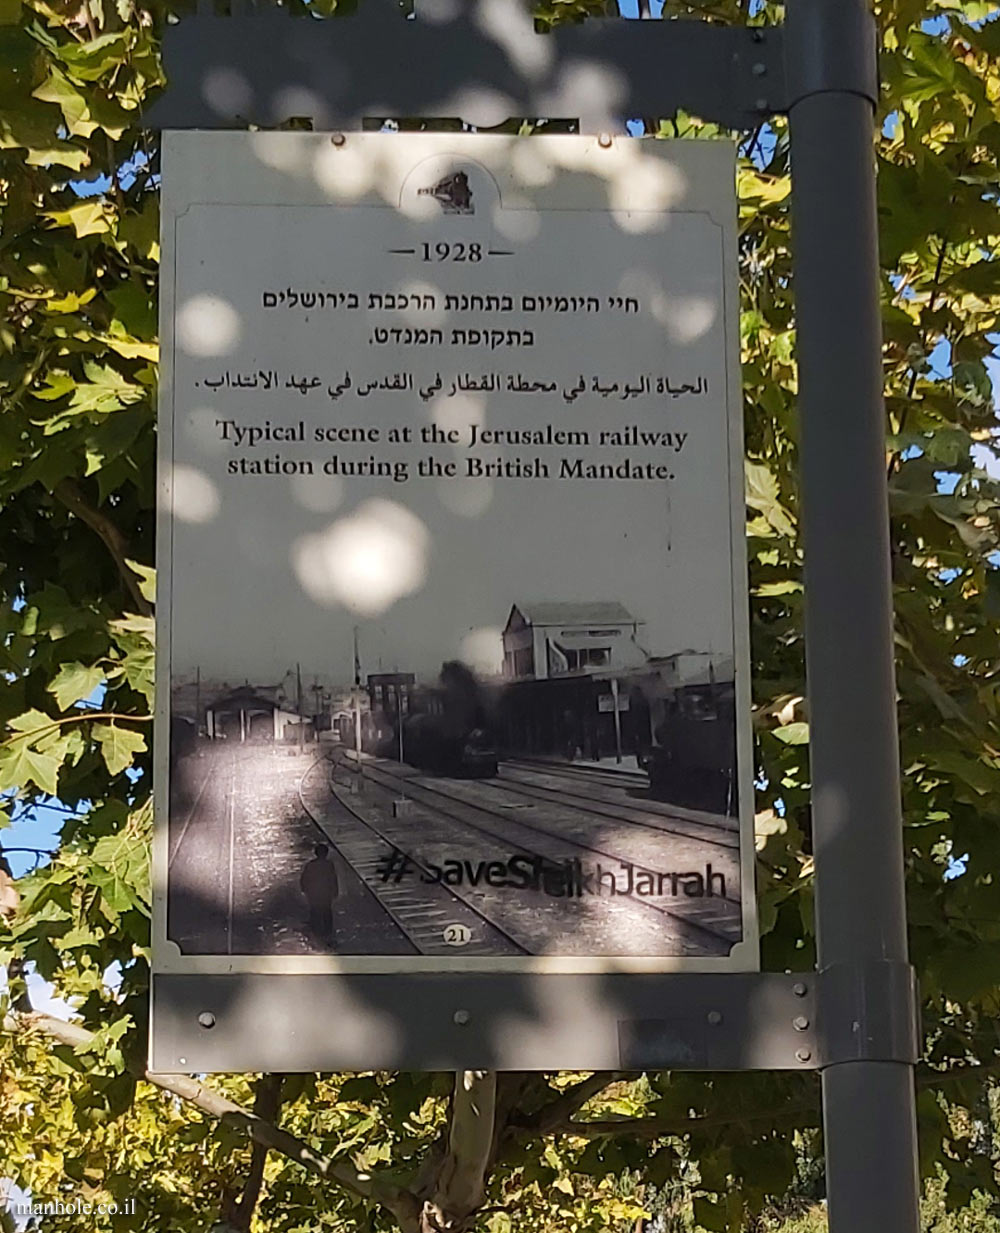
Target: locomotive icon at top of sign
[{"x": 452, "y": 193}]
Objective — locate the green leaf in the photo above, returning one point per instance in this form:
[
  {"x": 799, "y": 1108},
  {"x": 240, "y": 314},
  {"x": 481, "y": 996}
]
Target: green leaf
[
  {"x": 793, "y": 734},
  {"x": 763, "y": 495},
  {"x": 121, "y": 870},
  {"x": 788, "y": 586},
  {"x": 32, "y": 723},
  {"x": 92, "y": 60},
  {"x": 21, "y": 765},
  {"x": 105, "y": 390},
  {"x": 119, "y": 745},
  {"x": 87, "y": 217},
  {"x": 74, "y": 682},
  {"x": 135, "y": 309},
  {"x": 141, "y": 230},
  {"x": 147, "y": 577}
]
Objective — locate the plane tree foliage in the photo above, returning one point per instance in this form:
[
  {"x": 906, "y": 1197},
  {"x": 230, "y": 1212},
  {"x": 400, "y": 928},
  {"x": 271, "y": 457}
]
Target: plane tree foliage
[{"x": 78, "y": 353}]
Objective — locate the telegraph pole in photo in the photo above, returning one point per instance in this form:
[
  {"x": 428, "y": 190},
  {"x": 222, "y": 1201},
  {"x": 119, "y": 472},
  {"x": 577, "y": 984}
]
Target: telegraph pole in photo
[
  {"x": 357, "y": 709},
  {"x": 298, "y": 706}
]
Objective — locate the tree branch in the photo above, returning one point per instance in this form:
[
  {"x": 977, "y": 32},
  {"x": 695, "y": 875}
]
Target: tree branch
[
  {"x": 461, "y": 1182},
  {"x": 266, "y": 1105},
  {"x": 658, "y": 1127},
  {"x": 400, "y": 1202},
  {"x": 70, "y": 495},
  {"x": 554, "y": 1115}
]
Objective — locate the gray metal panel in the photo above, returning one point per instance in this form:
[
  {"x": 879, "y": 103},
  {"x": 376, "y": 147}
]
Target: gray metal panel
[
  {"x": 264, "y": 66},
  {"x": 429, "y": 1021}
]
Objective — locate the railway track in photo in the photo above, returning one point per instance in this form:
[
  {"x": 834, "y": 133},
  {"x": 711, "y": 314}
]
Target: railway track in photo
[
  {"x": 528, "y": 780},
  {"x": 528, "y": 862},
  {"x": 485, "y": 808},
  {"x": 423, "y": 911}
]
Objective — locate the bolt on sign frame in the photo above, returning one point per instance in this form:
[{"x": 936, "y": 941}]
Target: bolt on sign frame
[{"x": 855, "y": 1018}]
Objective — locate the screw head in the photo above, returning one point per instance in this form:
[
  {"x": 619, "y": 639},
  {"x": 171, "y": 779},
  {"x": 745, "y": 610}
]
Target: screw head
[
  {"x": 761, "y": 104},
  {"x": 461, "y": 1018},
  {"x": 803, "y": 1055},
  {"x": 715, "y": 1017},
  {"x": 800, "y": 1023},
  {"x": 759, "y": 69},
  {"x": 206, "y": 1019},
  {"x": 338, "y": 139},
  {"x": 799, "y": 989},
  {"x": 604, "y": 141},
  {"x": 182, "y": 1061}
]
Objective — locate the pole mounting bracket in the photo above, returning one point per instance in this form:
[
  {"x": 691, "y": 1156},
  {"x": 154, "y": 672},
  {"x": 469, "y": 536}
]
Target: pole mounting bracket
[
  {"x": 641, "y": 1021},
  {"x": 868, "y": 1012}
]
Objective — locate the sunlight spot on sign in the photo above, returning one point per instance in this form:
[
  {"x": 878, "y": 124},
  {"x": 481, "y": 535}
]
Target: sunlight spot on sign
[
  {"x": 287, "y": 156},
  {"x": 560, "y": 1008},
  {"x": 193, "y": 496},
  {"x": 517, "y": 219},
  {"x": 365, "y": 561},
  {"x": 639, "y": 197},
  {"x": 481, "y": 106},
  {"x": 421, "y": 207},
  {"x": 208, "y": 325},
  {"x": 200, "y": 428},
  {"x": 227, "y": 92},
  {"x": 299, "y": 101},
  {"x": 482, "y": 650},
  {"x": 437, "y": 12},
  {"x": 457, "y": 412},
  {"x": 320, "y": 493},
  {"x": 423, "y": 316},
  {"x": 469, "y": 497},
  {"x": 531, "y": 165},
  {"x": 344, "y": 171},
  {"x": 686, "y": 318},
  {"x": 603, "y": 88},
  {"x": 509, "y": 23}
]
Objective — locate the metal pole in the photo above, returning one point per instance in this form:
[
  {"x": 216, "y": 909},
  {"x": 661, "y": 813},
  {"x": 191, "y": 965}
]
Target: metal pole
[{"x": 869, "y": 1106}]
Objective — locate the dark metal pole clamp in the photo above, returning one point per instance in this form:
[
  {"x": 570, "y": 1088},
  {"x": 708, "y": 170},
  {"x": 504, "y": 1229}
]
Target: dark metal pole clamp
[
  {"x": 830, "y": 46},
  {"x": 868, "y": 1012}
]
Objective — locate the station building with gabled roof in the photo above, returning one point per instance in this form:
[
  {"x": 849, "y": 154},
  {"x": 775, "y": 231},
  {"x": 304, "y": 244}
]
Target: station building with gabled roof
[{"x": 551, "y": 639}]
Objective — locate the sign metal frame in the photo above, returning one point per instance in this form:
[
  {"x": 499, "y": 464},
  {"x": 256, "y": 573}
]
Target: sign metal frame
[{"x": 820, "y": 69}]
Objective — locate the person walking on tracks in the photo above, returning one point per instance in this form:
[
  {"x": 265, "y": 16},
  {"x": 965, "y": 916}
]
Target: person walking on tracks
[{"x": 319, "y": 885}]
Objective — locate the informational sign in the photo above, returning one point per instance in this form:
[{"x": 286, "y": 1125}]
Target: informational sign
[{"x": 452, "y": 612}]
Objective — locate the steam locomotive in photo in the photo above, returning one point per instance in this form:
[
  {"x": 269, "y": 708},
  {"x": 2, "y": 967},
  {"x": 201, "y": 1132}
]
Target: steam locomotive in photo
[
  {"x": 693, "y": 760},
  {"x": 446, "y": 728},
  {"x": 434, "y": 742}
]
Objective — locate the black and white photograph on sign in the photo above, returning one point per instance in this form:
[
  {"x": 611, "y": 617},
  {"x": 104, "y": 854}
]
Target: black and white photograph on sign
[{"x": 455, "y": 624}]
